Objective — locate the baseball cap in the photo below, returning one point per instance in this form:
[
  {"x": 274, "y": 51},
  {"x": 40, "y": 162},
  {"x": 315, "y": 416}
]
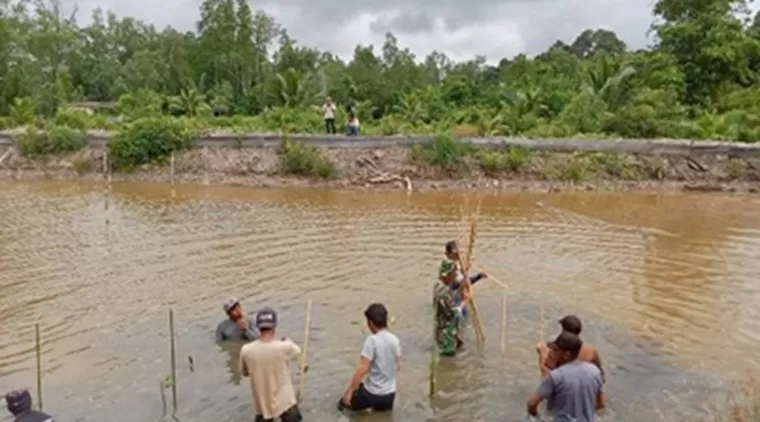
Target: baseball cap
[
  {"x": 566, "y": 342},
  {"x": 451, "y": 247},
  {"x": 571, "y": 323},
  {"x": 229, "y": 304},
  {"x": 266, "y": 318}
]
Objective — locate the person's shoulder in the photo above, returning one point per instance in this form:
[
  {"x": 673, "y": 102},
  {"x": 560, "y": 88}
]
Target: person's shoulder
[{"x": 250, "y": 347}]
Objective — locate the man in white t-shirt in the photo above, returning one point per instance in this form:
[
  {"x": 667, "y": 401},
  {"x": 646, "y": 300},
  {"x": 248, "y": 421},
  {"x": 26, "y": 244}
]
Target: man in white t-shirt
[
  {"x": 379, "y": 361},
  {"x": 265, "y": 362},
  {"x": 329, "y": 109}
]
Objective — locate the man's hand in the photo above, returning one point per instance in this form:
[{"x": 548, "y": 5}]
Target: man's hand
[
  {"x": 541, "y": 348},
  {"x": 347, "y": 399},
  {"x": 243, "y": 323}
]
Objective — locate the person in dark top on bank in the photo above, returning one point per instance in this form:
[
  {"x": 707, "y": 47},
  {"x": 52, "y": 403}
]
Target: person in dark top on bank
[
  {"x": 20, "y": 405},
  {"x": 238, "y": 326}
]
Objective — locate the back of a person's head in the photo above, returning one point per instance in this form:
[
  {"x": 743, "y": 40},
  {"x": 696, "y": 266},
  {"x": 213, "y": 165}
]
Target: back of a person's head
[
  {"x": 571, "y": 324},
  {"x": 377, "y": 314},
  {"x": 18, "y": 401}
]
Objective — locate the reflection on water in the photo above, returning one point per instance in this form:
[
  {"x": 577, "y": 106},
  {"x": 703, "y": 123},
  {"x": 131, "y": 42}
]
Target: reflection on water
[{"x": 661, "y": 283}]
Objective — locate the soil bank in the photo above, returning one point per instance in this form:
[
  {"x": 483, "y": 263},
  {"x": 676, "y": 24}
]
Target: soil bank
[{"x": 398, "y": 168}]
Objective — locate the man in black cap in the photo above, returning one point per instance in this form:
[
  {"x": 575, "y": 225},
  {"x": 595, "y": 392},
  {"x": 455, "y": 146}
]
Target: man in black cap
[
  {"x": 265, "y": 362},
  {"x": 588, "y": 353},
  {"x": 574, "y": 388},
  {"x": 238, "y": 326},
  {"x": 20, "y": 405}
]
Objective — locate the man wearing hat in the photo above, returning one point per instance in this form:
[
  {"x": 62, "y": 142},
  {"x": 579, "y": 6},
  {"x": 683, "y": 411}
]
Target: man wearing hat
[
  {"x": 238, "y": 326},
  {"x": 574, "y": 388},
  {"x": 265, "y": 362},
  {"x": 20, "y": 405},
  {"x": 452, "y": 275},
  {"x": 588, "y": 353}
]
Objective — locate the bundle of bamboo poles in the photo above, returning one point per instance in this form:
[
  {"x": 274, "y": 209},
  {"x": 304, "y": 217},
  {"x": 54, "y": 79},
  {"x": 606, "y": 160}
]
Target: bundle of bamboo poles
[{"x": 466, "y": 269}]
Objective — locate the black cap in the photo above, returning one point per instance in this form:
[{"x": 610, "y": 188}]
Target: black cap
[
  {"x": 266, "y": 318},
  {"x": 451, "y": 247},
  {"x": 571, "y": 323},
  {"x": 566, "y": 342}
]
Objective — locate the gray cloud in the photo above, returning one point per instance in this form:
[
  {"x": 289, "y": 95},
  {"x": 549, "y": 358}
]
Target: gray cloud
[{"x": 460, "y": 28}]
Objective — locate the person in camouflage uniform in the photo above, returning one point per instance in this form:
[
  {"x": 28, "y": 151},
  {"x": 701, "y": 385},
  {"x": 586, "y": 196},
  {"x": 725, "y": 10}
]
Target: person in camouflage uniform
[{"x": 448, "y": 302}]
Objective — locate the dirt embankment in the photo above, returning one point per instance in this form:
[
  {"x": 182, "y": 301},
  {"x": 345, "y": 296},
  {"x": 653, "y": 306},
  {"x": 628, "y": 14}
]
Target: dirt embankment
[{"x": 398, "y": 168}]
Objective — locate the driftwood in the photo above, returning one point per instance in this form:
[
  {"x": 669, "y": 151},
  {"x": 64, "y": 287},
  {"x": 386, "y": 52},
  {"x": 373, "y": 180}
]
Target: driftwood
[
  {"x": 7, "y": 154},
  {"x": 380, "y": 176}
]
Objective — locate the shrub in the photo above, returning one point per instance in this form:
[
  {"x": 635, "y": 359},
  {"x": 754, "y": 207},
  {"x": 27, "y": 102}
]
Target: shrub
[
  {"x": 149, "y": 140},
  {"x": 74, "y": 118},
  {"x": 53, "y": 140},
  {"x": 445, "y": 151},
  {"x": 500, "y": 161},
  {"x": 303, "y": 160}
]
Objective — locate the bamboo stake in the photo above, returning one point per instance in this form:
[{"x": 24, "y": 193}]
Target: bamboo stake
[
  {"x": 304, "y": 368},
  {"x": 174, "y": 191},
  {"x": 173, "y": 361},
  {"x": 434, "y": 354},
  {"x": 466, "y": 268},
  {"x": 38, "y": 350},
  {"x": 107, "y": 178},
  {"x": 504, "y": 323}
]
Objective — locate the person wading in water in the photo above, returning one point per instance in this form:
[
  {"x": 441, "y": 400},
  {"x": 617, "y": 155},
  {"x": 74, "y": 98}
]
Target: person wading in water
[
  {"x": 20, "y": 405},
  {"x": 547, "y": 358},
  {"x": 238, "y": 326},
  {"x": 265, "y": 362},
  {"x": 451, "y": 274},
  {"x": 450, "y": 299},
  {"x": 574, "y": 388}
]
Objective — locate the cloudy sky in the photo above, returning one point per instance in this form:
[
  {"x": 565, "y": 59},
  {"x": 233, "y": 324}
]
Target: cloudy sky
[{"x": 460, "y": 28}]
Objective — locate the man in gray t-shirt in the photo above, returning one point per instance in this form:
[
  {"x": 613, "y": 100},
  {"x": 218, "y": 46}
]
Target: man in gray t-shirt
[
  {"x": 237, "y": 326},
  {"x": 574, "y": 388},
  {"x": 379, "y": 361}
]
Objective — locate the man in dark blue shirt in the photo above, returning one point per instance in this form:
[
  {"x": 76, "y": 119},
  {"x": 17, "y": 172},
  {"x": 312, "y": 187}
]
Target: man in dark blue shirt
[{"x": 238, "y": 326}]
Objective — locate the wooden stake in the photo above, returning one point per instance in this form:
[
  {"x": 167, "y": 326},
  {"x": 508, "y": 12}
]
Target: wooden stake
[
  {"x": 466, "y": 269},
  {"x": 107, "y": 178},
  {"x": 173, "y": 361},
  {"x": 504, "y": 323},
  {"x": 434, "y": 355},
  {"x": 304, "y": 369},
  {"x": 38, "y": 349},
  {"x": 174, "y": 191}
]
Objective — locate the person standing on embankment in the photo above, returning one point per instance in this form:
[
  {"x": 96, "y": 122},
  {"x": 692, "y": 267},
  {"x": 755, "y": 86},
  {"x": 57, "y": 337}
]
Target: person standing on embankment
[
  {"x": 237, "y": 326},
  {"x": 20, "y": 405},
  {"x": 265, "y": 362},
  {"x": 547, "y": 359},
  {"x": 329, "y": 109}
]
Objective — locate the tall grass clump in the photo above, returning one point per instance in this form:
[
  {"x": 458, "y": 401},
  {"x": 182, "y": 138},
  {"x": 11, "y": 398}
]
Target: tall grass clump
[
  {"x": 303, "y": 160},
  {"x": 149, "y": 140},
  {"x": 503, "y": 161},
  {"x": 445, "y": 151},
  {"x": 50, "y": 141}
]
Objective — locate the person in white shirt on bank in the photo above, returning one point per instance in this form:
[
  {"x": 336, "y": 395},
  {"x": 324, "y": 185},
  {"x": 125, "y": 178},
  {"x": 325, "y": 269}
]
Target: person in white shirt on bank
[
  {"x": 265, "y": 362},
  {"x": 379, "y": 361},
  {"x": 329, "y": 109}
]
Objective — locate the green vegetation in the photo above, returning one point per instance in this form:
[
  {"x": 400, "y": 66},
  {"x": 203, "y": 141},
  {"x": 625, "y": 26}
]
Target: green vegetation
[
  {"x": 149, "y": 140},
  {"x": 700, "y": 80},
  {"x": 52, "y": 140},
  {"x": 302, "y": 160}
]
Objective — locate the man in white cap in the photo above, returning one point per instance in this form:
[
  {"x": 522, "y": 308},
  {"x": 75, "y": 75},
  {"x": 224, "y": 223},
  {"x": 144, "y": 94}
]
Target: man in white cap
[
  {"x": 265, "y": 362},
  {"x": 238, "y": 326},
  {"x": 20, "y": 405}
]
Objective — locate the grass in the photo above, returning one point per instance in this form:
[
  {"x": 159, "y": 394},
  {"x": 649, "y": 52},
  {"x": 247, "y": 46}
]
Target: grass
[
  {"x": 495, "y": 162},
  {"x": 302, "y": 160},
  {"x": 446, "y": 152}
]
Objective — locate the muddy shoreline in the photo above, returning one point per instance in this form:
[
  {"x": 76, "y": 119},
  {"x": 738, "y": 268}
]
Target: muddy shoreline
[{"x": 396, "y": 169}]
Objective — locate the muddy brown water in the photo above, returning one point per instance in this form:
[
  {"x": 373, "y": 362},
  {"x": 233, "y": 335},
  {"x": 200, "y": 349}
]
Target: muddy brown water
[{"x": 667, "y": 287}]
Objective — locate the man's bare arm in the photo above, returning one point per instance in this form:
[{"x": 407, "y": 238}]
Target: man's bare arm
[
  {"x": 533, "y": 402},
  {"x": 598, "y": 362},
  {"x": 601, "y": 401}
]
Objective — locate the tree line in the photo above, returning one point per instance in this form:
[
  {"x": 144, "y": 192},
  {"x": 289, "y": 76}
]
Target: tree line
[{"x": 240, "y": 69}]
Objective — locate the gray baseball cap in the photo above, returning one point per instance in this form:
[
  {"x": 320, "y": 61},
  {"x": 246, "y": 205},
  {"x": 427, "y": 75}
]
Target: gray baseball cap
[
  {"x": 229, "y": 304},
  {"x": 266, "y": 318}
]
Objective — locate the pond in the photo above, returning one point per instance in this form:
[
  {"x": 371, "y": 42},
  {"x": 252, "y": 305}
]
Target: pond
[{"x": 666, "y": 286}]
